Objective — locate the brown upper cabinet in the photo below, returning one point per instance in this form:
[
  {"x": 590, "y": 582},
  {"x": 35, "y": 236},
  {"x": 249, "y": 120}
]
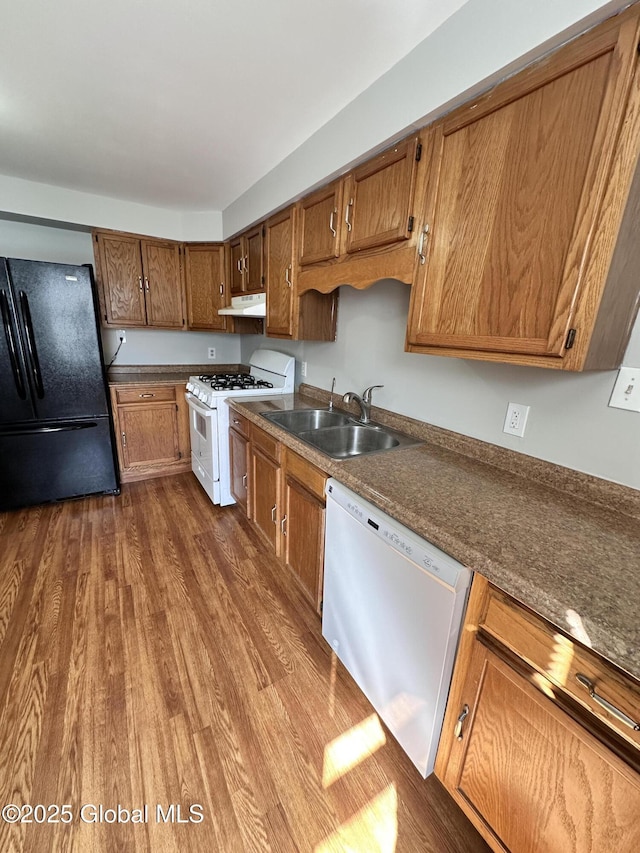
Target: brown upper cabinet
[
  {"x": 362, "y": 228},
  {"x": 205, "y": 286},
  {"x": 289, "y": 315},
  {"x": 530, "y": 235},
  {"x": 140, "y": 280},
  {"x": 245, "y": 252}
]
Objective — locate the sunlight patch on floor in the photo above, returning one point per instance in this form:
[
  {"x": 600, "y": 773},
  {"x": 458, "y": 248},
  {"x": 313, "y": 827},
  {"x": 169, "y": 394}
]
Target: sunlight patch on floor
[
  {"x": 374, "y": 829},
  {"x": 352, "y": 747}
]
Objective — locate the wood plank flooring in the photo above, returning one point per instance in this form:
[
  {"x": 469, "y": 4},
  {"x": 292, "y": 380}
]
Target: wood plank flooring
[{"x": 152, "y": 653}]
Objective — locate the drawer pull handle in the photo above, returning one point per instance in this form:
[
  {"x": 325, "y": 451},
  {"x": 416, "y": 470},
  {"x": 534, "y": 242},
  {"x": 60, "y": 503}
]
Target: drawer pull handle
[
  {"x": 283, "y": 526},
  {"x": 146, "y": 395},
  {"x": 244, "y": 480},
  {"x": 457, "y": 732},
  {"x": 236, "y": 421},
  {"x": 615, "y": 712},
  {"x": 273, "y": 513}
]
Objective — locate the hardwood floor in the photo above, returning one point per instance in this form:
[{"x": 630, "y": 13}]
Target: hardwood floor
[{"x": 152, "y": 653}]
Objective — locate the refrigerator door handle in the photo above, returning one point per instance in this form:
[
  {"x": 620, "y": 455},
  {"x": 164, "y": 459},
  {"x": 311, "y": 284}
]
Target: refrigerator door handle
[
  {"x": 31, "y": 344},
  {"x": 36, "y": 430},
  {"x": 11, "y": 344}
]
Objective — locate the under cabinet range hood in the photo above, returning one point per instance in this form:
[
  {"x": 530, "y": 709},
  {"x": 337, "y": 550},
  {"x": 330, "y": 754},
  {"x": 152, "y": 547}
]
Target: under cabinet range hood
[{"x": 253, "y": 305}]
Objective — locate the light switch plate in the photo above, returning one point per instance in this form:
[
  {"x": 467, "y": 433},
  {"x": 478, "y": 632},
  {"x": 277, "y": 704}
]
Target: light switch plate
[{"x": 626, "y": 391}]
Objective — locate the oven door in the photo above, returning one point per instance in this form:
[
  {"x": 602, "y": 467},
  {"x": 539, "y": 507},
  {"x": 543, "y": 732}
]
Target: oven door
[{"x": 203, "y": 429}]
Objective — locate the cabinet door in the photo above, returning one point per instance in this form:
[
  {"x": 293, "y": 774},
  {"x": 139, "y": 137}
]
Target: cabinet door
[
  {"x": 303, "y": 538},
  {"x": 531, "y": 777},
  {"x": 253, "y": 260},
  {"x": 265, "y": 496},
  {"x": 279, "y": 260},
  {"x": 149, "y": 434},
  {"x": 122, "y": 280},
  {"x": 520, "y": 179},
  {"x": 204, "y": 279},
  {"x": 320, "y": 218},
  {"x": 378, "y": 198},
  {"x": 163, "y": 284},
  {"x": 239, "y": 464},
  {"x": 236, "y": 267}
]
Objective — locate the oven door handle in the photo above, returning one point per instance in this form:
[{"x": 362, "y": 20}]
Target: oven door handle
[{"x": 195, "y": 404}]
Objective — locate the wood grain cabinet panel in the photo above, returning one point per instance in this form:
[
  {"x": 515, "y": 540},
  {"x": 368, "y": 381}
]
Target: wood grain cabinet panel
[
  {"x": 152, "y": 430},
  {"x": 205, "y": 286},
  {"x": 120, "y": 263},
  {"x": 139, "y": 281},
  {"x": 279, "y": 274},
  {"x": 529, "y": 188},
  {"x": 163, "y": 293},
  {"x": 531, "y": 768},
  {"x": 365, "y": 227},
  {"x": 239, "y": 464},
  {"x": 303, "y": 526},
  {"x": 378, "y": 198},
  {"x": 310, "y": 316},
  {"x": 321, "y": 225},
  {"x": 246, "y": 261},
  {"x": 265, "y": 497}
]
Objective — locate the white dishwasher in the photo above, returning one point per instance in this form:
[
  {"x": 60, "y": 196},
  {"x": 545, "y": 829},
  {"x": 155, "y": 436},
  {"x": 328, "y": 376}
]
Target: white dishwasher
[{"x": 393, "y": 606}]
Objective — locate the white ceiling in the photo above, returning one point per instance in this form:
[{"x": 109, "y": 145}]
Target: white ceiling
[{"x": 185, "y": 105}]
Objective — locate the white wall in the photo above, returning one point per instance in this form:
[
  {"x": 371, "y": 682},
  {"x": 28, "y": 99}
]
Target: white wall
[
  {"x": 20, "y": 239},
  {"x": 569, "y": 423},
  {"x": 42, "y": 201}
]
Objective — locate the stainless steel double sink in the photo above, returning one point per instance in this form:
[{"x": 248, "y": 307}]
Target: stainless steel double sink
[{"x": 337, "y": 434}]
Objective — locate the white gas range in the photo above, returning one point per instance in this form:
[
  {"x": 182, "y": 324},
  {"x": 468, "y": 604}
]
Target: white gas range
[{"x": 270, "y": 373}]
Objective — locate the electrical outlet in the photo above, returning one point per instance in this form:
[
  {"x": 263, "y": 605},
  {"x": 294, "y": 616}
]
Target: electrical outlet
[
  {"x": 516, "y": 419},
  {"x": 626, "y": 391},
  {"x": 122, "y": 335},
  {"x": 303, "y": 368},
  {"x": 212, "y": 352}
]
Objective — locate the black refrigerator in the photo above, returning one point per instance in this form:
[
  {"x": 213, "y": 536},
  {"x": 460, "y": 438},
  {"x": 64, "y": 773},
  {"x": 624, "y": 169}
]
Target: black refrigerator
[{"x": 56, "y": 437}]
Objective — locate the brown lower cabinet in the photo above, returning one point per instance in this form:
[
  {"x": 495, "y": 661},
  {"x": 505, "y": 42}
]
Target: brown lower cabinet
[
  {"x": 152, "y": 430},
  {"x": 523, "y": 752},
  {"x": 286, "y": 504},
  {"x": 239, "y": 459}
]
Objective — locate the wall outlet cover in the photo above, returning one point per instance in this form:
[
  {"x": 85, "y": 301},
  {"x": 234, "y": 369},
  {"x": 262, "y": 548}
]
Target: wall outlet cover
[
  {"x": 211, "y": 352},
  {"x": 122, "y": 335},
  {"x": 516, "y": 419}
]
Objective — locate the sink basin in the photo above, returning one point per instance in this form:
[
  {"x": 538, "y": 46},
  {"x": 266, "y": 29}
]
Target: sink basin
[
  {"x": 337, "y": 434},
  {"x": 350, "y": 440},
  {"x": 301, "y": 420}
]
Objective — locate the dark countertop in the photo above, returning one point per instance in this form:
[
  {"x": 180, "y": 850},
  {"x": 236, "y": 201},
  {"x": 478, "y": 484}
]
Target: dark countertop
[
  {"x": 173, "y": 374},
  {"x": 565, "y": 544}
]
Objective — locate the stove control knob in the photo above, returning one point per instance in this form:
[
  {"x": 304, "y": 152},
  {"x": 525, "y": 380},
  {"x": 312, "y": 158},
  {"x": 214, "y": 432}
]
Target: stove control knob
[
  {"x": 190, "y": 387},
  {"x": 202, "y": 395}
]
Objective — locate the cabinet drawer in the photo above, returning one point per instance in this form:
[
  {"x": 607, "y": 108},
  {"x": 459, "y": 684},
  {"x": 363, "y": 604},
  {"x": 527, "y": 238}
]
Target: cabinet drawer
[
  {"x": 146, "y": 394},
  {"x": 312, "y": 478},
  {"x": 267, "y": 444},
  {"x": 561, "y": 660},
  {"x": 239, "y": 423}
]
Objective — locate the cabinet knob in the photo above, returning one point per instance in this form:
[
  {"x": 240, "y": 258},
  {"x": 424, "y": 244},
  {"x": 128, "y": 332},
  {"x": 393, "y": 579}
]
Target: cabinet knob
[{"x": 124, "y": 439}]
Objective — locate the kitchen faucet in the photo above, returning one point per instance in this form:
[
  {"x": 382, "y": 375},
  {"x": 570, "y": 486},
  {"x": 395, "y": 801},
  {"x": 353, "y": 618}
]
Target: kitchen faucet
[{"x": 364, "y": 402}]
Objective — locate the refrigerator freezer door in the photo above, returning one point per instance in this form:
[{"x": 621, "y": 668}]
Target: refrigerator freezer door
[
  {"x": 56, "y": 313},
  {"x": 53, "y": 460},
  {"x": 15, "y": 396}
]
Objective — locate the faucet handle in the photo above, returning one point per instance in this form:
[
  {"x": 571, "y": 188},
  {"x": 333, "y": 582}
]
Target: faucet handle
[{"x": 366, "y": 394}]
